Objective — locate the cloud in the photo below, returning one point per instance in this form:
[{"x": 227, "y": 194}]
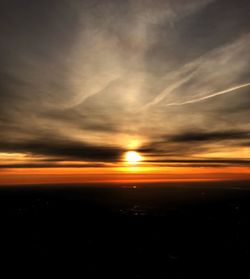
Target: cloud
[
  {"x": 202, "y": 162},
  {"x": 199, "y": 148},
  {"x": 203, "y": 136},
  {"x": 80, "y": 80},
  {"x": 49, "y": 165},
  {"x": 192, "y": 101},
  {"x": 64, "y": 150}
]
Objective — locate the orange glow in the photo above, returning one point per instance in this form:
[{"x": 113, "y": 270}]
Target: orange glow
[
  {"x": 133, "y": 168},
  {"x": 119, "y": 175}
]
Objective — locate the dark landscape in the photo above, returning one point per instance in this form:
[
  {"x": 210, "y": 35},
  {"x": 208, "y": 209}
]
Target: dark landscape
[{"x": 127, "y": 231}]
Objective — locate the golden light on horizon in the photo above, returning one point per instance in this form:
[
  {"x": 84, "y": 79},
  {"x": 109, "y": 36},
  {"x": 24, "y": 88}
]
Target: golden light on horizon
[{"x": 132, "y": 157}]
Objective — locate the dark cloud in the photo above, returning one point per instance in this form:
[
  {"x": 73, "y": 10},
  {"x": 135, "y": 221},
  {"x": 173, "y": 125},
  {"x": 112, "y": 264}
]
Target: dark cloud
[
  {"x": 202, "y": 162},
  {"x": 50, "y": 165},
  {"x": 64, "y": 150},
  {"x": 182, "y": 148},
  {"x": 196, "y": 136}
]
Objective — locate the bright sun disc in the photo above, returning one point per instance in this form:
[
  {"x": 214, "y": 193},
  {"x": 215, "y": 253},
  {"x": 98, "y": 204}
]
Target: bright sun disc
[{"x": 133, "y": 157}]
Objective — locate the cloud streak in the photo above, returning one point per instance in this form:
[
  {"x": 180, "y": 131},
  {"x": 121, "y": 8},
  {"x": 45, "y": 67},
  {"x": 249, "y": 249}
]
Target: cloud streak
[{"x": 229, "y": 90}]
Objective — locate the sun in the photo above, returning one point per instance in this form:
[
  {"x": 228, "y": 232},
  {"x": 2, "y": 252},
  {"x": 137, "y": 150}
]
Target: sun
[{"x": 132, "y": 157}]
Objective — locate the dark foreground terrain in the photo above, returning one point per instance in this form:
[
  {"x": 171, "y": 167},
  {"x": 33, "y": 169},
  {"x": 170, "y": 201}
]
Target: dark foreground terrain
[{"x": 127, "y": 231}]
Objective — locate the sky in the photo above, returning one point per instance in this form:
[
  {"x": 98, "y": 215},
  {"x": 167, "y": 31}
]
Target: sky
[{"x": 83, "y": 82}]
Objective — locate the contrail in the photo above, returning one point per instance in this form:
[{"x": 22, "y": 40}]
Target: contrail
[
  {"x": 209, "y": 96},
  {"x": 164, "y": 93},
  {"x": 78, "y": 100},
  {"x": 168, "y": 90}
]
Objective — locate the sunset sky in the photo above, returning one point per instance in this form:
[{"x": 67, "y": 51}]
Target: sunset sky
[{"x": 84, "y": 82}]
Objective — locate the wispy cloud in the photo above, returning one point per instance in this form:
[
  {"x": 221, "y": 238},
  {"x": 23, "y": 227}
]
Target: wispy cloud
[{"x": 229, "y": 90}]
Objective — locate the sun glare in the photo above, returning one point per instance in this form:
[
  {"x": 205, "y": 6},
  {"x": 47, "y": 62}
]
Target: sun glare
[{"x": 132, "y": 157}]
